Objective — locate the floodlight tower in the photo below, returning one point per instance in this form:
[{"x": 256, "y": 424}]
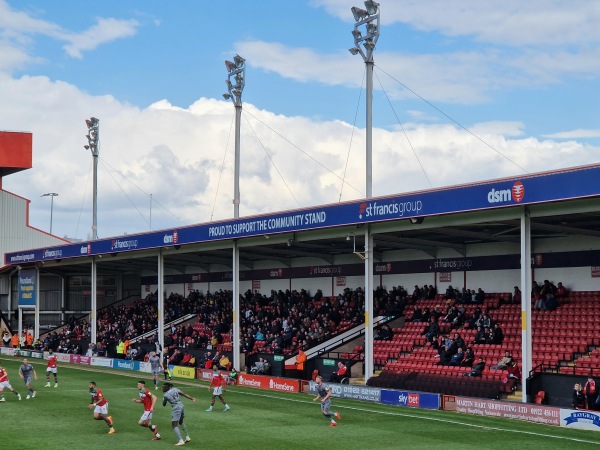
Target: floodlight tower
[
  {"x": 93, "y": 138},
  {"x": 51, "y": 195},
  {"x": 236, "y": 70},
  {"x": 236, "y": 80},
  {"x": 364, "y": 44}
]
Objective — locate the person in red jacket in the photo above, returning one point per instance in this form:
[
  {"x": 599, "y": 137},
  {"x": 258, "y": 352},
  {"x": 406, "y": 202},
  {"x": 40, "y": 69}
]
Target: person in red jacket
[
  {"x": 589, "y": 389},
  {"x": 339, "y": 374}
]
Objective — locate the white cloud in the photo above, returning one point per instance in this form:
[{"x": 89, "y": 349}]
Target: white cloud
[
  {"x": 176, "y": 154},
  {"x": 106, "y": 30},
  {"x": 500, "y": 22},
  {"x": 574, "y": 134}
]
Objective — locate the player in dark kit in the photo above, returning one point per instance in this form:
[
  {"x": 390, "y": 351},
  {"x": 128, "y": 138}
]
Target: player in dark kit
[
  {"x": 27, "y": 373},
  {"x": 324, "y": 393},
  {"x": 171, "y": 395}
]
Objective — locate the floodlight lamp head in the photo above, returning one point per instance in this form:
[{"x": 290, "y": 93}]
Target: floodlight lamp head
[
  {"x": 226, "y": 96},
  {"x": 369, "y": 44},
  {"x": 372, "y": 7},
  {"x": 358, "y": 13},
  {"x": 353, "y": 50},
  {"x": 356, "y": 33},
  {"x": 229, "y": 65},
  {"x": 87, "y": 147},
  {"x": 372, "y": 28},
  {"x": 239, "y": 61}
]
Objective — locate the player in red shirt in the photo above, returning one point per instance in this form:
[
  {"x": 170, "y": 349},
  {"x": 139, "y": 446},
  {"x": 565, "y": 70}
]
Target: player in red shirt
[
  {"x": 100, "y": 406},
  {"x": 148, "y": 399},
  {"x": 4, "y": 383},
  {"x": 217, "y": 383},
  {"x": 52, "y": 359}
]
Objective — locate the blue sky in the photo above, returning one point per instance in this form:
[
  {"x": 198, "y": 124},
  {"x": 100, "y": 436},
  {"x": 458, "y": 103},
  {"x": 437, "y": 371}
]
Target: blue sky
[{"x": 464, "y": 91}]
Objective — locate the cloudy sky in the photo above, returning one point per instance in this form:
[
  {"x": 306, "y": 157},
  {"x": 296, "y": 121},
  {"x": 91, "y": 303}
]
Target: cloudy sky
[{"x": 464, "y": 90}]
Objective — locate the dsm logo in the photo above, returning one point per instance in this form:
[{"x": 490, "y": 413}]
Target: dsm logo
[{"x": 516, "y": 194}]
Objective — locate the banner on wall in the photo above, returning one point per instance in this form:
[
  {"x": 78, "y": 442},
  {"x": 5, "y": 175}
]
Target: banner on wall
[{"x": 27, "y": 283}]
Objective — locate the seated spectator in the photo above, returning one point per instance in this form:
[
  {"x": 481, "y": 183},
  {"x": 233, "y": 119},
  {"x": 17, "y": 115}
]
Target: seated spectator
[
  {"x": 417, "y": 314},
  {"x": 477, "y": 370},
  {"x": 460, "y": 319},
  {"x": 539, "y": 303},
  {"x": 176, "y": 357},
  {"x": 450, "y": 293},
  {"x": 385, "y": 334},
  {"x": 186, "y": 359},
  {"x": 472, "y": 323},
  {"x": 233, "y": 376},
  {"x": 497, "y": 335},
  {"x": 480, "y": 336},
  {"x": 578, "y": 397},
  {"x": 459, "y": 341},
  {"x": 339, "y": 374},
  {"x": 514, "y": 373},
  {"x": 445, "y": 355},
  {"x": 431, "y": 331},
  {"x": 457, "y": 358},
  {"x": 131, "y": 353},
  {"x": 224, "y": 363},
  {"x": 561, "y": 292},
  {"x": 260, "y": 367},
  {"x": 503, "y": 362},
  {"x": 551, "y": 302},
  {"x": 469, "y": 358}
]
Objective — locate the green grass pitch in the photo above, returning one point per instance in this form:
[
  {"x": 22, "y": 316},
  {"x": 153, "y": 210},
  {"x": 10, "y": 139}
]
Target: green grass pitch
[{"x": 59, "y": 419}]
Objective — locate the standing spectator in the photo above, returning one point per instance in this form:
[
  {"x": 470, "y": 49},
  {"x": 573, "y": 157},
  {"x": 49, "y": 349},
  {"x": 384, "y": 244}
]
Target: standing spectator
[
  {"x": 578, "y": 397},
  {"x": 6, "y": 339},
  {"x": 516, "y": 296},
  {"x": 479, "y": 297},
  {"x": 300, "y": 361},
  {"x": 15, "y": 340},
  {"x": 589, "y": 389}
]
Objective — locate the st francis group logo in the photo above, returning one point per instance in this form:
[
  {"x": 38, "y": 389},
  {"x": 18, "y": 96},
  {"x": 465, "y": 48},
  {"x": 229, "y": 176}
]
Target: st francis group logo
[
  {"x": 515, "y": 194},
  {"x": 392, "y": 208}
]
